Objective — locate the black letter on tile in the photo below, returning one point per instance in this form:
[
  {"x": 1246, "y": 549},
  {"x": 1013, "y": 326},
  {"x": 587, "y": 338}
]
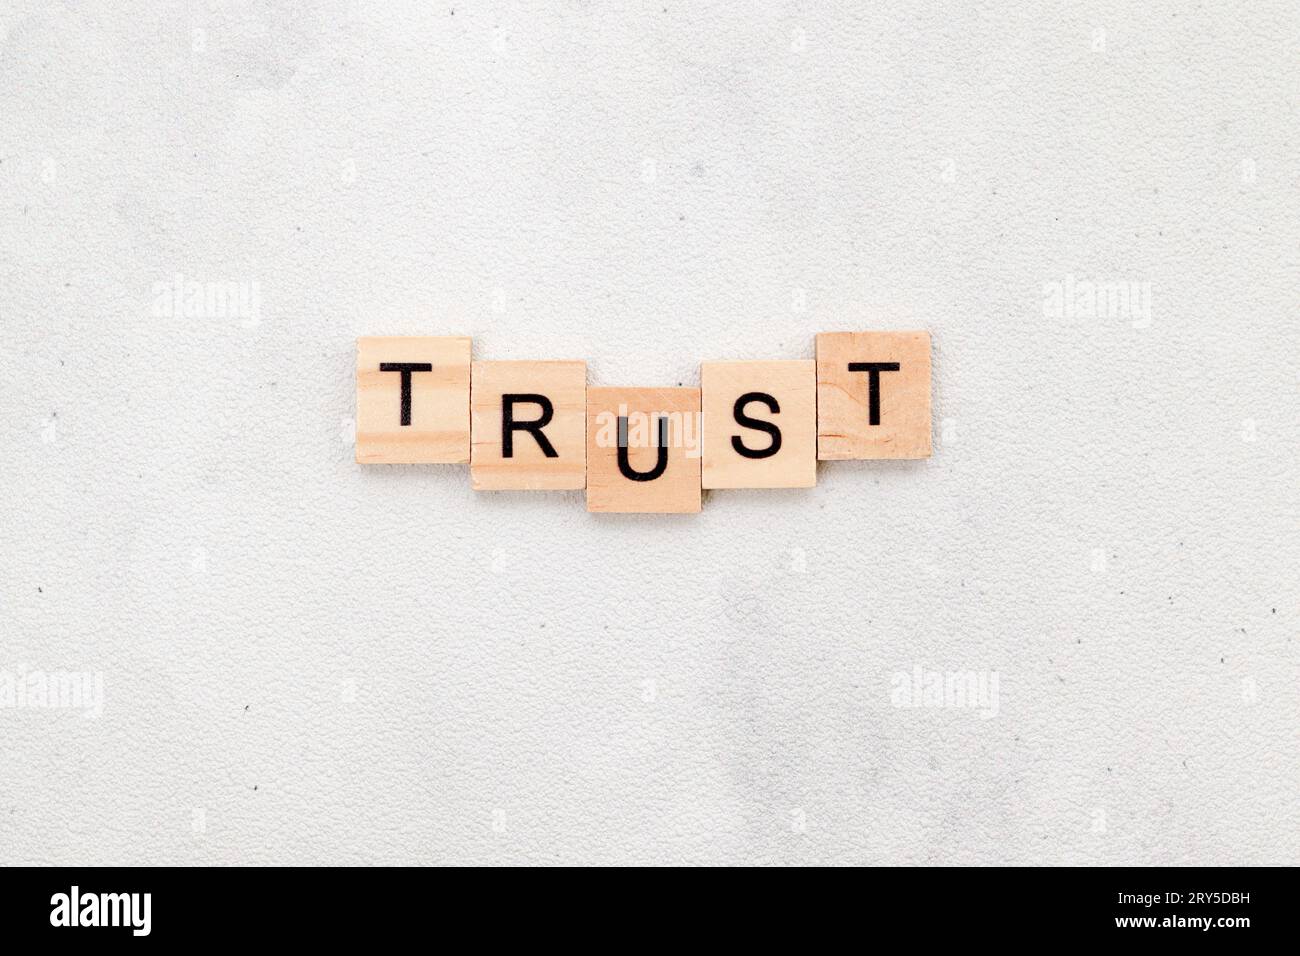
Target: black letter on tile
[
  {"x": 873, "y": 385},
  {"x": 509, "y": 426},
  {"x": 762, "y": 426},
  {"x": 406, "y": 368},
  {"x": 661, "y": 462}
]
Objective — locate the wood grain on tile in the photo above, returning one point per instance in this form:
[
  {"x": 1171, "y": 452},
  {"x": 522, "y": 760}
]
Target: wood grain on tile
[
  {"x": 760, "y": 424},
  {"x": 873, "y": 395},
  {"x": 413, "y": 400},
  {"x": 642, "y": 477}
]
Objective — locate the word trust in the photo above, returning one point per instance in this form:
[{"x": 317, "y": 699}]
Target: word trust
[{"x": 537, "y": 426}]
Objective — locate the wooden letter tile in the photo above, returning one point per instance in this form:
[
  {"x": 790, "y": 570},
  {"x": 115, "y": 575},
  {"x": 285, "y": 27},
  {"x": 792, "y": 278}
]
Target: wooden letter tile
[
  {"x": 641, "y": 476},
  {"x": 413, "y": 400},
  {"x": 873, "y": 395},
  {"x": 783, "y": 394},
  {"x": 546, "y": 449}
]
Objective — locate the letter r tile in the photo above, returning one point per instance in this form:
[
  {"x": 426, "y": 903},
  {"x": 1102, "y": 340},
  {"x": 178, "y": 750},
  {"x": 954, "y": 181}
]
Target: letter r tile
[{"x": 529, "y": 426}]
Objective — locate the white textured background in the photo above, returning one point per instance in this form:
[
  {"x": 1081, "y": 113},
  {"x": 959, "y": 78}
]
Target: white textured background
[{"x": 344, "y": 664}]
